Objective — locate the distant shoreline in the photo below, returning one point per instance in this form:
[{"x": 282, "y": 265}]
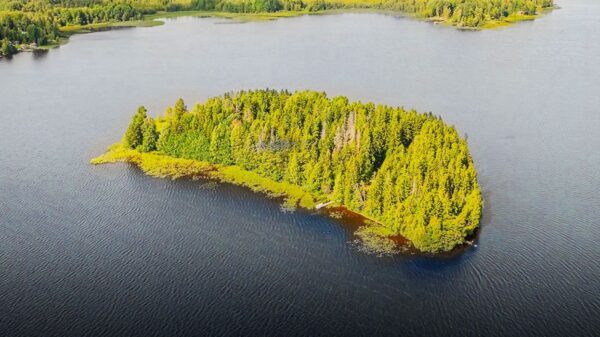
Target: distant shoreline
[{"x": 152, "y": 20}]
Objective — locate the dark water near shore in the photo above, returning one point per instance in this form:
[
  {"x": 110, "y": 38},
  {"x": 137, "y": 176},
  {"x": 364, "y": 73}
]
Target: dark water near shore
[{"x": 107, "y": 251}]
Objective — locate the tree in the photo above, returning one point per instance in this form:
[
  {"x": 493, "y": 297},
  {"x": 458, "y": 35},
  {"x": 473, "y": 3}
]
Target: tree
[
  {"x": 179, "y": 109},
  {"x": 8, "y": 48},
  {"x": 134, "y": 135},
  {"x": 150, "y": 135},
  {"x": 293, "y": 170}
]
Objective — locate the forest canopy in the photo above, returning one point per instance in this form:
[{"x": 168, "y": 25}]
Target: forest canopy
[
  {"x": 409, "y": 172},
  {"x": 39, "y": 21}
]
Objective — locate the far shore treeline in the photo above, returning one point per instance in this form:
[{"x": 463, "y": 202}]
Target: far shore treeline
[
  {"x": 409, "y": 172},
  {"x": 26, "y": 24}
]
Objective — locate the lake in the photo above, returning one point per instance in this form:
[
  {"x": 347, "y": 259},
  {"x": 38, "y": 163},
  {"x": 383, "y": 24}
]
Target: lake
[{"x": 105, "y": 250}]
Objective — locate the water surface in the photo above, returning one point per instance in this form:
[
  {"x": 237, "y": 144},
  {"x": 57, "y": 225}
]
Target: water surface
[{"x": 105, "y": 250}]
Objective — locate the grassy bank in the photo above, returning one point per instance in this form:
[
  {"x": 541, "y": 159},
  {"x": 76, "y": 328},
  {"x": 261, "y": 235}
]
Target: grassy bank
[
  {"x": 509, "y": 20},
  {"x": 228, "y": 15},
  {"x": 163, "y": 166},
  {"x": 93, "y": 27},
  {"x": 155, "y": 20},
  {"x": 374, "y": 237}
]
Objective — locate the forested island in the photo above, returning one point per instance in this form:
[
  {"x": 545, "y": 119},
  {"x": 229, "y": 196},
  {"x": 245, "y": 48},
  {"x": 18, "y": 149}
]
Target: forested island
[
  {"x": 409, "y": 172},
  {"x": 31, "y": 24}
]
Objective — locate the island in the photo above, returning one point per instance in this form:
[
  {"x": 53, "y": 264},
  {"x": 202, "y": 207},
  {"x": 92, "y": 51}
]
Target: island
[
  {"x": 41, "y": 24},
  {"x": 410, "y": 173}
]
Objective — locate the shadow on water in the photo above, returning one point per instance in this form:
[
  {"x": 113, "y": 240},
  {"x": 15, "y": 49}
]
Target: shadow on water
[
  {"x": 39, "y": 54},
  {"x": 346, "y": 222}
]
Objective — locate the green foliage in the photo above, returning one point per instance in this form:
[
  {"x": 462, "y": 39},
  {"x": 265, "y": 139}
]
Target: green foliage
[
  {"x": 95, "y": 14},
  {"x": 149, "y": 136},
  {"x": 464, "y": 13},
  {"x": 468, "y": 13},
  {"x": 163, "y": 166},
  {"x": 134, "y": 136},
  {"x": 25, "y": 28},
  {"x": 38, "y": 21},
  {"x": 8, "y": 48},
  {"x": 408, "y": 171}
]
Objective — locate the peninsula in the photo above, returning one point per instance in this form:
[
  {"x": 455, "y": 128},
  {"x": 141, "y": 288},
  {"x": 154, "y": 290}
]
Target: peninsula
[{"x": 409, "y": 172}]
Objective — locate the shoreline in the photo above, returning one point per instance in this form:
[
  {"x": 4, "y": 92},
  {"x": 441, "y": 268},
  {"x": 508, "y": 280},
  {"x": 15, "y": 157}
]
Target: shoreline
[
  {"x": 370, "y": 236},
  {"x": 153, "y": 20}
]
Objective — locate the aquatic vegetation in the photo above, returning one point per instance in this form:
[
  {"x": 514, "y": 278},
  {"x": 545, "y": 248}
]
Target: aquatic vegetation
[
  {"x": 164, "y": 166},
  {"x": 374, "y": 239},
  {"x": 407, "y": 171}
]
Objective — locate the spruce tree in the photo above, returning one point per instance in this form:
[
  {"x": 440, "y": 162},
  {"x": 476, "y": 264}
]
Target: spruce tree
[
  {"x": 150, "y": 135},
  {"x": 134, "y": 135}
]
